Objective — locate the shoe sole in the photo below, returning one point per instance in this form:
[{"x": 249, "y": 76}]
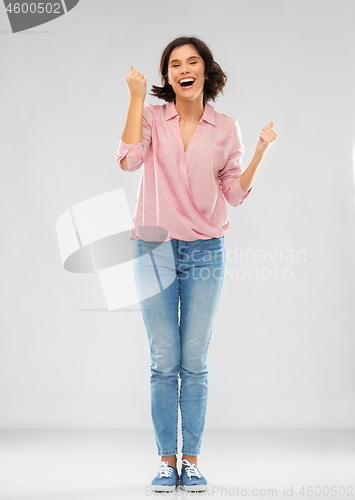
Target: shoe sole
[
  {"x": 195, "y": 488},
  {"x": 160, "y": 488}
]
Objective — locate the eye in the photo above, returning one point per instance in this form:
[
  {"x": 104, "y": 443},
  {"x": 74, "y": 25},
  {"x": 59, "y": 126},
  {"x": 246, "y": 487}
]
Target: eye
[
  {"x": 175, "y": 65},
  {"x": 193, "y": 62}
]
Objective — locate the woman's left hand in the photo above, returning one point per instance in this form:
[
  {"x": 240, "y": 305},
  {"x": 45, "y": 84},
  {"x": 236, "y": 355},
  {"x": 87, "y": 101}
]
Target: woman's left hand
[{"x": 267, "y": 137}]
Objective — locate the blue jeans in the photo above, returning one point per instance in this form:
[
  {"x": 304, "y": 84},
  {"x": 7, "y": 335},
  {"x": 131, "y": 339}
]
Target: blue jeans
[{"x": 192, "y": 272}]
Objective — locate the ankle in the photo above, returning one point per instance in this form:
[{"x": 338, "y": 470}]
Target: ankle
[
  {"x": 192, "y": 459},
  {"x": 171, "y": 460}
]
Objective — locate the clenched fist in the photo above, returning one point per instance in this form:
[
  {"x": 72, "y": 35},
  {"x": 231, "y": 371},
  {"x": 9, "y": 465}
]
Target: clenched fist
[
  {"x": 267, "y": 137},
  {"x": 137, "y": 84}
]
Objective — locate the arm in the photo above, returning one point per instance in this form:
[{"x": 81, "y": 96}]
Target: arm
[
  {"x": 232, "y": 171},
  {"x": 248, "y": 177},
  {"x": 132, "y": 132},
  {"x": 267, "y": 136}
]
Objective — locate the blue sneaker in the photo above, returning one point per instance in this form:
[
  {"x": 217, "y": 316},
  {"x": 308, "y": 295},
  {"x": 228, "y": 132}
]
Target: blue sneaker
[
  {"x": 191, "y": 478},
  {"x": 166, "y": 479}
]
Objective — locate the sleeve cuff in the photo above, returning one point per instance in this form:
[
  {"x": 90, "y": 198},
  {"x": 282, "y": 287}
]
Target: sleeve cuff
[
  {"x": 128, "y": 150},
  {"x": 133, "y": 149},
  {"x": 240, "y": 193}
]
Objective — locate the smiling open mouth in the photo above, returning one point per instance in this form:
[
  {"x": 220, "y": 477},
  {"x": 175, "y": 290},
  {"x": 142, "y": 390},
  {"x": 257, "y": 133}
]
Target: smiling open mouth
[{"x": 186, "y": 83}]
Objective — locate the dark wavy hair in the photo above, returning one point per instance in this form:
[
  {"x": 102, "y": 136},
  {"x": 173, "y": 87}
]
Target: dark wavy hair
[{"x": 215, "y": 82}]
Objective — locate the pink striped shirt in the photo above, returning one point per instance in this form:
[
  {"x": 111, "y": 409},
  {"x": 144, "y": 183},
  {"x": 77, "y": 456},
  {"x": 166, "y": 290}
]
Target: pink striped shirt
[{"x": 182, "y": 191}]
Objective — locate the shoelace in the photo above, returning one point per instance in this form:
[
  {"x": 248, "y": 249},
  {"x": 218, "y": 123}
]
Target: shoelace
[
  {"x": 191, "y": 470},
  {"x": 164, "y": 470}
]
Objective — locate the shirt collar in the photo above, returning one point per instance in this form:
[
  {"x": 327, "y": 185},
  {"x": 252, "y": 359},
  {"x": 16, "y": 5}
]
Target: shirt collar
[{"x": 208, "y": 115}]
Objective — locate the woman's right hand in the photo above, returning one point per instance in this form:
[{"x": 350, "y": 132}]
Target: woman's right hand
[{"x": 137, "y": 85}]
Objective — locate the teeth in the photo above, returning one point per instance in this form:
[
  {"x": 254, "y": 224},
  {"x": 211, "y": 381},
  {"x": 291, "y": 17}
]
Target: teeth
[{"x": 187, "y": 80}]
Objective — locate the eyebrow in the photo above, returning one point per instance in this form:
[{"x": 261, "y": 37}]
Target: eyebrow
[{"x": 177, "y": 60}]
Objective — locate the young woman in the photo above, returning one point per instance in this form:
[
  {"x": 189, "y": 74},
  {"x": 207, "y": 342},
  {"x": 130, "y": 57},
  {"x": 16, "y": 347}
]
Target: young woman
[{"x": 192, "y": 166}]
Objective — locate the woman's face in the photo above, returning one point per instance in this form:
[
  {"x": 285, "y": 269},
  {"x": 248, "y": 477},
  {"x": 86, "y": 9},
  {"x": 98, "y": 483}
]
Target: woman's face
[{"x": 185, "y": 63}]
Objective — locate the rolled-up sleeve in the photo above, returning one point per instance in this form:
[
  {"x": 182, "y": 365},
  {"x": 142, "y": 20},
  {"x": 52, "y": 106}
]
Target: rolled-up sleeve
[
  {"x": 137, "y": 153},
  {"x": 233, "y": 169}
]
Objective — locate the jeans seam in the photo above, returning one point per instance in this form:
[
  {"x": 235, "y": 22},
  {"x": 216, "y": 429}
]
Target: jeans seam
[{"x": 179, "y": 305}]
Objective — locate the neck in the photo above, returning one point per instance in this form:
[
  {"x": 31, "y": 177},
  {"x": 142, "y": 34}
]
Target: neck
[{"x": 190, "y": 111}]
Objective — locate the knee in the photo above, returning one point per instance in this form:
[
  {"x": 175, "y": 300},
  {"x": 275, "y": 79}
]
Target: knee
[
  {"x": 165, "y": 366},
  {"x": 194, "y": 366}
]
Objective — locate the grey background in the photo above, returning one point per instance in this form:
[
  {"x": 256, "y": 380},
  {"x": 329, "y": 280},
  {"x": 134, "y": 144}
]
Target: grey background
[{"x": 281, "y": 353}]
